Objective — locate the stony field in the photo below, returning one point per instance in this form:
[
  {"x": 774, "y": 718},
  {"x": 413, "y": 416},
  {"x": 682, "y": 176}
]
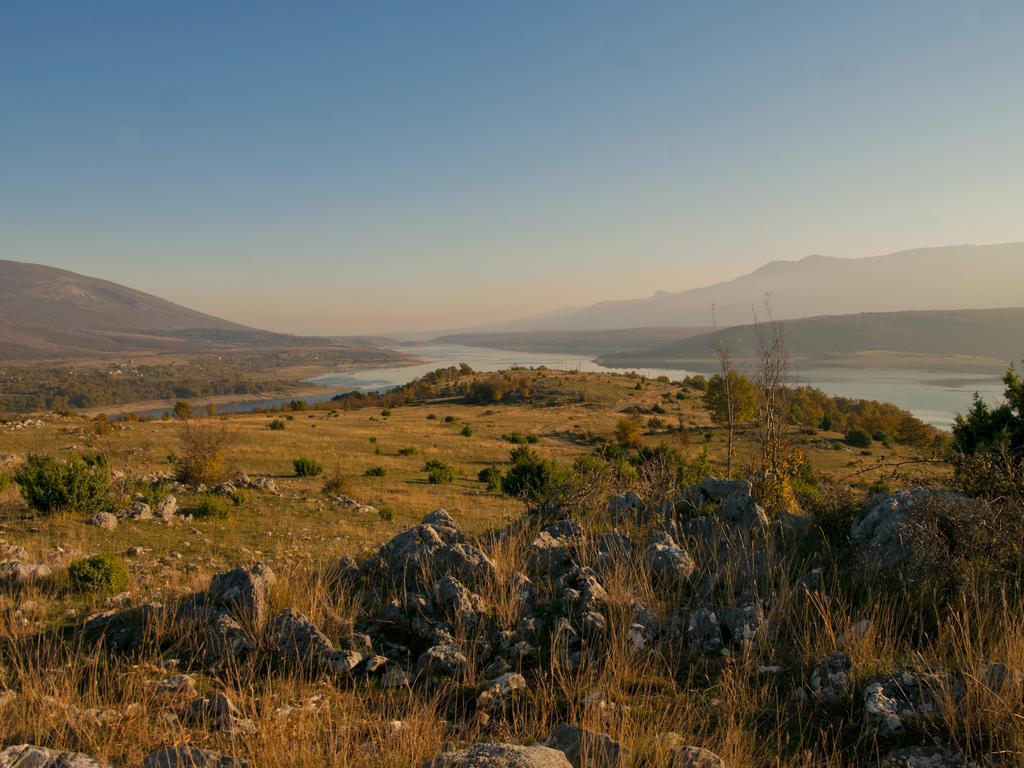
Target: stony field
[{"x": 388, "y": 621}]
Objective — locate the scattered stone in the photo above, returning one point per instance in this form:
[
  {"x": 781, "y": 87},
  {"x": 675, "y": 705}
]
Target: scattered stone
[
  {"x": 703, "y": 632},
  {"x": 139, "y": 510},
  {"x": 685, "y": 756},
  {"x": 625, "y": 507},
  {"x": 105, "y": 520},
  {"x": 16, "y": 573},
  {"x": 174, "y": 686},
  {"x": 167, "y": 509},
  {"x": 667, "y": 562},
  {"x": 299, "y": 640},
  {"x": 394, "y": 677}
]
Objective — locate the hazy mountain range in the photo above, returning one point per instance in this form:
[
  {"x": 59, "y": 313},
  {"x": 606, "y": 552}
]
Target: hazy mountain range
[
  {"x": 49, "y": 314},
  {"x": 951, "y": 277}
]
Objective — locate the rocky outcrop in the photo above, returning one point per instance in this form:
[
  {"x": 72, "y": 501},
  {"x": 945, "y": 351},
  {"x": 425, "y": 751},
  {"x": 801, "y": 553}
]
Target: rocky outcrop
[
  {"x": 242, "y": 591},
  {"x": 912, "y": 696}
]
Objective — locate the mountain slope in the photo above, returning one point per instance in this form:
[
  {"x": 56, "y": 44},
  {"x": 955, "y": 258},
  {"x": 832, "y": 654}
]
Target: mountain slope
[
  {"x": 985, "y": 333},
  {"x": 49, "y": 314},
  {"x": 952, "y": 277}
]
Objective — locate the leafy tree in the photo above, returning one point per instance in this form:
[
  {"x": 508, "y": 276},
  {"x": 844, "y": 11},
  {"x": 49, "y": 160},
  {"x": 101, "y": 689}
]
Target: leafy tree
[
  {"x": 999, "y": 428},
  {"x": 183, "y": 409},
  {"x": 731, "y": 400}
]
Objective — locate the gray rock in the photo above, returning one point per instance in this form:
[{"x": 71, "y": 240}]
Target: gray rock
[
  {"x": 587, "y": 749},
  {"x": 910, "y": 696},
  {"x": 500, "y": 756},
  {"x": 167, "y": 509},
  {"x": 743, "y": 624},
  {"x": 139, "y": 510},
  {"x": 694, "y": 757},
  {"x": 299, "y": 640},
  {"x": 243, "y": 591},
  {"x": 443, "y": 660},
  {"x": 831, "y": 679},
  {"x": 459, "y": 605},
  {"x": 716, "y": 489},
  {"x": 703, "y": 632},
  {"x": 668, "y": 563},
  {"x": 17, "y": 573},
  {"x": 28, "y": 756},
  {"x": 625, "y": 507},
  {"x": 220, "y": 713},
  {"x": 554, "y": 549},
  {"x": 124, "y": 631},
  {"x": 925, "y": 757},
  {"x": 105, "y": 520},
  {"x": 190, "y": 757},
  {"x": 499, "y": 693}
]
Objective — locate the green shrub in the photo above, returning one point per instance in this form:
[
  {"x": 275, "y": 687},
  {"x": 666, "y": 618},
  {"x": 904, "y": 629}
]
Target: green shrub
[
  {"x": 858, "y": 437},
  {"x": 407, "y": 451},
  {"x": 467, "y": 430},
  {"x": 74, "y": 485},
  {"x": 237, "y": 496},
  {"x": 385, "y": 513},
  {"x": 377, "y": 471},
  {"x": 431, "y": 417},
  {"x": 104, "y": 573},
  {"x": 307, "y": 467},
  {"x": 386, "y": 412},
  {"x": 491, "y": 476},
  {"x": 153, "y": 493},
  {"x": 337, "y": 484},
  {"x": 530, "y": 476},
  {"x": 209, "y": 505},
  {"x": 438, "y": 472},
  {"x": 449, "y": 419},
  {"x": 516, "y": 438},
  {"x": 5, "y": 482},
  {"x": 276, "y": 425}
]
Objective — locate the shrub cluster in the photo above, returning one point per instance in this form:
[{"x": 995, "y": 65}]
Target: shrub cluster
[
  {"x": 438, "y": 472},
  {"x": 307, "y": 467},
  {"x": 105, "y": 573},
  {"x": 48, "y": 485}
]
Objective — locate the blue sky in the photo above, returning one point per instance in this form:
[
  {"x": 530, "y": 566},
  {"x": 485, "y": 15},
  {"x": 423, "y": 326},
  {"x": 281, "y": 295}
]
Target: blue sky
[{"x": 355, "y": 167}]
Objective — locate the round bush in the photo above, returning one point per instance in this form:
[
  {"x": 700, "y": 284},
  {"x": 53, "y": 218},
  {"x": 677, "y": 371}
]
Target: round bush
[
  {"x": 209, "y": 505},
  {"x": 49, "y": 485},
  {"x": 105, "y": 573},
  {"x": 307, "y": 467}
]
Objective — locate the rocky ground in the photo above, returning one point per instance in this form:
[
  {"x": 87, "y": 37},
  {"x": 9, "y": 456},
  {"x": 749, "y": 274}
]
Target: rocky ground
[{"x": 696, "y": 633}]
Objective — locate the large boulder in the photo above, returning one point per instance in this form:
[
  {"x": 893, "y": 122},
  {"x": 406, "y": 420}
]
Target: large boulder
[
  {"x": 886, "y": 533},
  {"x": 587, "y": 749},
  {"x": 425, "y": 552},
  {"x": 500, "y": 756},
  {"x": 28, "y": 756},
  {"x": 242, "y": 591}
]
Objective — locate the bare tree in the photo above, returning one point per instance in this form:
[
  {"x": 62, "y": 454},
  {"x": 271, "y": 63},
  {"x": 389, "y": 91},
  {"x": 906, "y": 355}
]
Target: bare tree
[
  {"x": 771, "y": 381},
  {"x": 726, "y": 366}
]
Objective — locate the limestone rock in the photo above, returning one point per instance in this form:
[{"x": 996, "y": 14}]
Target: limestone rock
[{"x": 500, "y": 756}]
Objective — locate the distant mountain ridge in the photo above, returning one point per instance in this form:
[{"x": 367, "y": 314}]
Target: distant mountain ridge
[
  {"x": 995, "y": 335},
  {"x": 949, "y": 277}
]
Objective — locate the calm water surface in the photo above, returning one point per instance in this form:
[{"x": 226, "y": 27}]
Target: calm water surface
[{"x": 933, "y": 396}]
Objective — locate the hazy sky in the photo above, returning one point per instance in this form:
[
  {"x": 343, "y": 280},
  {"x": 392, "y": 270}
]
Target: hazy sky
[{"x": 351, "y": 167}]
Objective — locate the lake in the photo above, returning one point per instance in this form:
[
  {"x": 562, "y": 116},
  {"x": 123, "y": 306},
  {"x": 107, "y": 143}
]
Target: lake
[{"x": 932, "y": 396}]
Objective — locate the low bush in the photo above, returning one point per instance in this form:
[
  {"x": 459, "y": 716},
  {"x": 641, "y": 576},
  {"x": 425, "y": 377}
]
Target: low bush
[
  {"x": 385, "y": 513},
  {"x": 76, "y": 484},
  {"x": 530, "y": 475},
  {"x": 858, "y": 438},
  {"x": 491, "y": 477},
  {"x": 211, "y": 506},
  {"x": 105, "y": 573},
  {"x": 202, "y": 458},
  {"x": 410, "y": 451},
  {"x": 438, "y": 472},
  {"x": 307, "y": 467},
  {"x": 467, "y": 430},
  {"x": 276, "y": 425},
  {"x": 377, "y": 471},
  {"x": 336, "y": 484}
]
